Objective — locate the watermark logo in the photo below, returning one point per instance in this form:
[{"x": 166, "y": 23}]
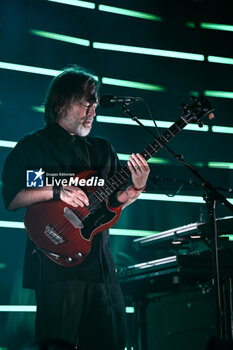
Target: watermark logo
[
  {"x": 35, "y": 178},
  {"x": 40, "y": 178}
]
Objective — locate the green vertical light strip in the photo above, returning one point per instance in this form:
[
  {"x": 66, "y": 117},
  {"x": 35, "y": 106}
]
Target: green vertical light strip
[
  {"x": 29, "y": 69},
  {"x": 148, "y": 51},
  {"x": 230, "y": 237},
  {"x": 195, "y": 127},
  {"x": 12, "y": 224},
  {"x": 152, "y": 160},
  {"x": 217, "y": 59},
  {"x": 199, "y": 164},
  {"x": 215, "y": 26},
  {"x": 222, "y": 165},
  {"x": 85, "y": 4},
  {"x": 146, "y": 122},
  {"x": 194, "y": 93},
  {"x": 128, "y": 232},
  {"x": 39, "y": 109},
  {"x": 222, "y": 129},
  {"x": 128, "y": 121},
  {"x": 60, "y": 37},
  {"x": 17, "y": 308},
  {"x": 129, "y": 309},
  {"x": 177, "y": 198},
  {"x": 131, "y": 13},
  {"x": 132, "y": 84},
  {"x": 222, "y": 94},
  {"x": 112, "y": 231},
  {"x": 191, "y": 25},
  {"x": 9, "y": 144}
]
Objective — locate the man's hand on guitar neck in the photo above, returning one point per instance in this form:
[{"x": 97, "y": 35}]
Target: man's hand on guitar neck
[{"x": 140, "y": 171}]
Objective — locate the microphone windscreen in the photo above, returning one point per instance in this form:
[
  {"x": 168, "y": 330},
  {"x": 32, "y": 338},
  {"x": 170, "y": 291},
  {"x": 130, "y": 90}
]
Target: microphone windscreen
[{"x": 105, "y": 101}]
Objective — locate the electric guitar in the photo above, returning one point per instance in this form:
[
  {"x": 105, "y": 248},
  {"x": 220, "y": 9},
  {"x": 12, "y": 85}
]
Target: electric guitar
[{"x": 65, "y": 233}]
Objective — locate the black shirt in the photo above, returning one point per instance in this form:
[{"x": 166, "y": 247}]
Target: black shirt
[{"x": 54, "y": 150}]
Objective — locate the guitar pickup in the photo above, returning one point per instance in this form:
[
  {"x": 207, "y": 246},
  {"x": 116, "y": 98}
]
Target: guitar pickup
[
  {"x": 53, "y": 235},
  {"x": 73, "y": 218}
]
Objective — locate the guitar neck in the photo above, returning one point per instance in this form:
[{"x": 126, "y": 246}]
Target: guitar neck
[
  {"x": 192, "y": 113},
  {"x": 154, "y": 147},
  {"x": 124, "y": 173}
]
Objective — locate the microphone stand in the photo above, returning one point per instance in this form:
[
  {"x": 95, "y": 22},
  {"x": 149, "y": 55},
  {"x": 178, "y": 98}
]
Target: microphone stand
[{"x": 210, "y": 198}]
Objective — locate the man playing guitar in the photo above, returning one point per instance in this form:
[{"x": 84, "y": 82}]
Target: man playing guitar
[{"x": 78, "y": 298}]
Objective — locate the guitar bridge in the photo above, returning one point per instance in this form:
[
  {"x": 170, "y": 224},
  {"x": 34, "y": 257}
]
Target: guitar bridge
[{"x": 53, "y": 235}]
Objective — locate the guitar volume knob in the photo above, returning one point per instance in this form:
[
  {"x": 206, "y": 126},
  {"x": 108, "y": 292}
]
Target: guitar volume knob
[{"x": 79, "y": 255}]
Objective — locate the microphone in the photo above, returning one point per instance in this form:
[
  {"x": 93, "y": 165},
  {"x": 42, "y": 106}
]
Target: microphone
[{"x": 108, "y": 101}]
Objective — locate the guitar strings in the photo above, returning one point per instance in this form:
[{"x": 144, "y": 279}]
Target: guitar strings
[
  {"x": 82, "y": 212},
  {"x": 64, "y": 226},
  {"x": 103, "y": 193}
]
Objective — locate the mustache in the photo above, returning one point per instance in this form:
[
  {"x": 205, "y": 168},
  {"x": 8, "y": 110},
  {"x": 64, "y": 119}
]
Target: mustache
[{"x": 87, "y": 120}]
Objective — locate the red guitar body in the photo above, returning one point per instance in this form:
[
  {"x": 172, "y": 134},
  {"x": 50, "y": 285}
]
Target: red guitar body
[{"x": 64, "y": 233}]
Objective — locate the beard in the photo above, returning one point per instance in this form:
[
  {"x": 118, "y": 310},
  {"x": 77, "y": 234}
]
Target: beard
[
  {"x": 76, "y": 124},
  {"x": 81, "y": 129}
]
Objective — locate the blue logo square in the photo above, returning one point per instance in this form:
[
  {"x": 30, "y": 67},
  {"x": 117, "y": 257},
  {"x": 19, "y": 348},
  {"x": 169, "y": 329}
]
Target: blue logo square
[{"x": 35, "y": 178}]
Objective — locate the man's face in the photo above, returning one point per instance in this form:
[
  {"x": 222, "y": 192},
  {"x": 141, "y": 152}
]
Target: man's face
[{"x": 78, "y": 117}]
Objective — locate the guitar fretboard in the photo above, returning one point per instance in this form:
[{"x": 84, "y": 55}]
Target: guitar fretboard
[
  {"x": 199, "y": 108},
  {"x": 124, "y": 173}
]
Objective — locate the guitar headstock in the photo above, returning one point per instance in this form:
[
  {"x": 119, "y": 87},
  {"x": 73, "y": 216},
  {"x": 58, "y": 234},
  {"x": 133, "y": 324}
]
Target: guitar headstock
[{"x": 199, "y": 108}]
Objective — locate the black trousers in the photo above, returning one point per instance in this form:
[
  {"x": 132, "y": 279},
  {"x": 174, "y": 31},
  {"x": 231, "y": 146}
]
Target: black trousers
[{"x": 90, "y": 315}]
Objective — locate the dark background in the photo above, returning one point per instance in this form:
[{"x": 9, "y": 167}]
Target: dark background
[{"x": 21, "y": 91}]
